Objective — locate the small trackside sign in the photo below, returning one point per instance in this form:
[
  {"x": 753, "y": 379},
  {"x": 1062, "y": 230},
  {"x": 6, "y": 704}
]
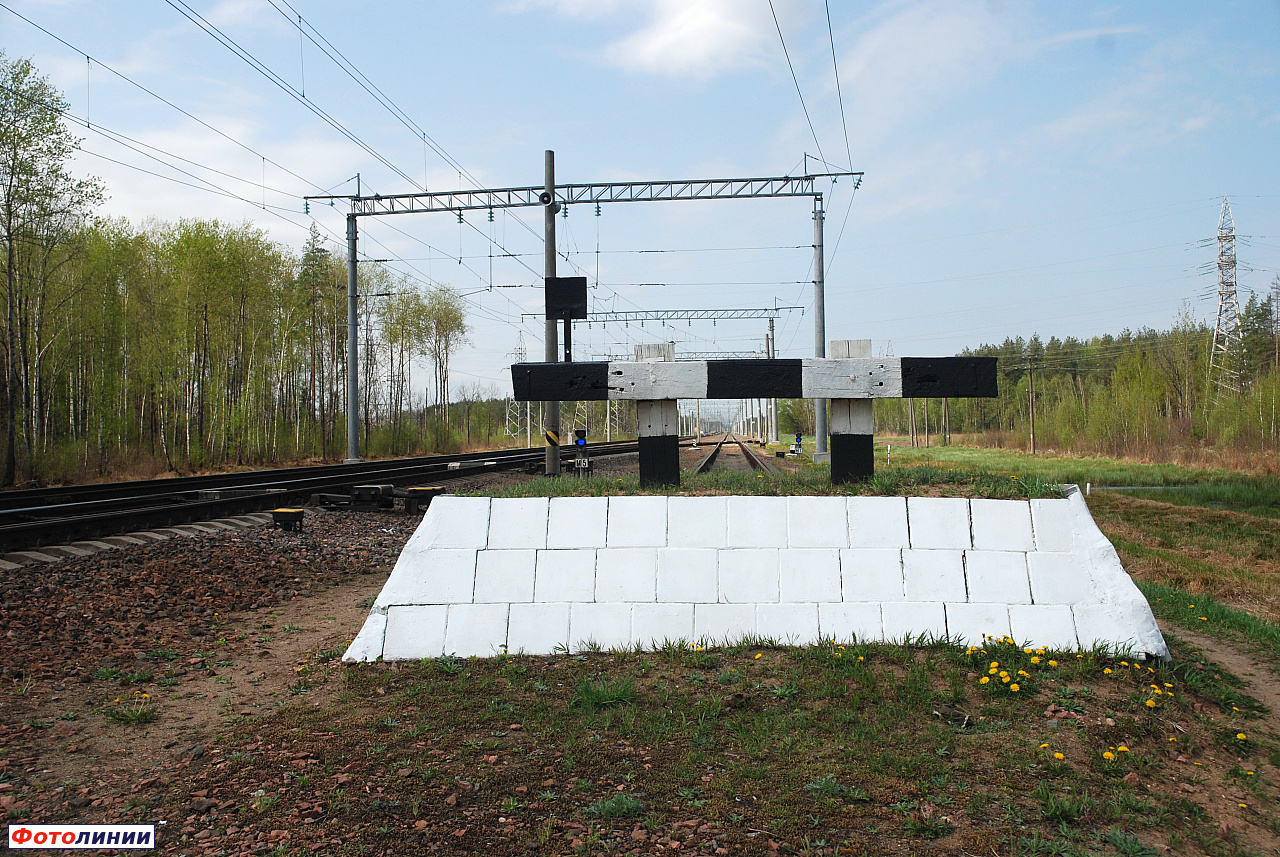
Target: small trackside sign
[{"x": 94, "y": 836}]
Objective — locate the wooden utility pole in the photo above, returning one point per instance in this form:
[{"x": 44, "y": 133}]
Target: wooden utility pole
[
  {"x": 946, "y": 424},
  {"x": 911, "y": 420},
  {"x": 1031, "y": 404}
]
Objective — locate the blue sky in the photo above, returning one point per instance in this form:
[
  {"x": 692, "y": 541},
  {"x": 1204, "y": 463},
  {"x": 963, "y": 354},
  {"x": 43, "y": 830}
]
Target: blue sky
[{"x": 1050, "y": 168}]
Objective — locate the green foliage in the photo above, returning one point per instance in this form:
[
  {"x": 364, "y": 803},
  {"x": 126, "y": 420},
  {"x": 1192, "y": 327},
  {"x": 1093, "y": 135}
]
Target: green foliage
[
  {"x": 619, "y": 806},
  {"x": 590, "y": 696}
]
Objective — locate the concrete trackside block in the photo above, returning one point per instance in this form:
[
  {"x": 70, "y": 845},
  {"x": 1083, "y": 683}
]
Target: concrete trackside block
[
  {"x": 758, "y": 522},
  {"x": 545, "y": 576},
  {"x": 1060, "y": 578},
  {"x": 688, "y": 575},
  {"x": 871, "y": 574},
  {"x": 997, "y": 576},
  {"x": 817, "y": 522},
  {"x": 1054, "y": 525},
  {"x": 850, "y": 622},
  {"x": 605, "y": 625},
  {"x": 1048, "y": 625},
  {"x": 1120, "y": 627},
  {"x": 877, "y": 522},
  {"x": 720, "y": 622},
  {"x": 455, "y": 522},
  {"x": 637, "y": 522},
  {"x": 655, "y": 624},
  {"x": 577, "y": 522},
  {"x": 518, "y": 522},
  {"x": 912, "y": 619},
  {"x": 476, "y": 629},
  {"x": 443, "y": 576},
  {"x": 368, "y": 644},
  {"x": 538, "y": 629},
  {"x": 565, "y": 575},
  {"x": 789, "y": 624},
  {"x": 809, "y": 574},
  {"x": 626, "y": 574},
  {"x": 970, "y": 624},
  {"x": 697, "y": 522},
  {"x": 933, "y": 575},
  {"x": 1001, "y": 525},
  {"x": 414, "y": 632},
  {"x": 505, "y": 575},
  {"x": 748, "y": 576},
  {"x": 938, "y": 523}
]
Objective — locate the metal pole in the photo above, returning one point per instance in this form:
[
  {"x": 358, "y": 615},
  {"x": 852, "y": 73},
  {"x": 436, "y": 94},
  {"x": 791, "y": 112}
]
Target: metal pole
[
  {"x": 353, "y": 342},
  {"x": 551, "y": 421},
  {"x": 773, "y": 403},
  {"x": 698, "y": 435},
  {"x": 1031, "y": 404},
  {"x": 819, "y": 323}
]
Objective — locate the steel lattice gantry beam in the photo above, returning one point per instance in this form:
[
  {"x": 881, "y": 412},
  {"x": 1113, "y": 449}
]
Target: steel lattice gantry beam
[
  {"x": 681, "y": 314},
  {"x": 571, "y": 194}
]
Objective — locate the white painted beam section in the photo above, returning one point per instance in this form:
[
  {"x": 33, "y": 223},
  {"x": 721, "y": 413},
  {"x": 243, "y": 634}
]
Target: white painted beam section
[
  {"x": 852, "y": 378},
  {"x": 658, "y": 380}
]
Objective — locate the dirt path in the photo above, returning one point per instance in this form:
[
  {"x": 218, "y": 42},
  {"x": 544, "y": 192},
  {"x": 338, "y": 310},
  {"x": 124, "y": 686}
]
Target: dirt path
[{"x": 1261, "y": 680}]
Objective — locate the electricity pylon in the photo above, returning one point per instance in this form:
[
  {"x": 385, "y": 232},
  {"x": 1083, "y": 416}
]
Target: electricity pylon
[{"x": 1228, "y": 343}]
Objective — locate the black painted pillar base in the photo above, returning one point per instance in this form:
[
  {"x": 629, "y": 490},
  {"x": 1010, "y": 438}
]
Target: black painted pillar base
[
  {"x": 659, "y": 461},
  {"x": 853, "y": 458}
]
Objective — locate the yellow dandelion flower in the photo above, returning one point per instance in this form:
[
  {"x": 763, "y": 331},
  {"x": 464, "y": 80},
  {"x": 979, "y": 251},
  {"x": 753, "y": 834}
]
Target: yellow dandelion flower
[
  {"x": 1151, "y": 703},
  {"x": 992, "y": 671},
  {"x": 995, "y": 665},
  {"x": 1242, "y": 736},
  {"x": 1109, "y": 756},
  {"x": 1035, "y": 660},
  {"x": 1243, "y": 805},
  {"x": 1059, "y": 756},
  {"x": 1123, "y": 749},
  {"x": 1053, "y": 663},
  {"x": 1107, "y": 671},
  {"x": 1173, "y": 740},
  {"x": 1024, "y": 673},
  {"x": 1166, "y": 684},
  {"x": 861, "y": 658},
  {"x": 1044, "y": 746},
  {"x": 1124, "y": 663},
  {"x": 759, "y": 655},
  {"x": 146, "y": 696},
  {"x": 1014, "y": 687},
  {"x": 984, "y": 679},
  {"x": 838, "y": 655},
  {"x": 1005, "y": 679},
  {"x": 1204, "y": 618},
  {"x": 1026, "y": 651}
]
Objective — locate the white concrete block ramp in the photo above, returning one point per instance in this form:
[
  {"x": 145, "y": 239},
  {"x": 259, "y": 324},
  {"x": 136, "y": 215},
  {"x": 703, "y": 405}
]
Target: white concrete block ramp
[{"x": 485, "y": 576}]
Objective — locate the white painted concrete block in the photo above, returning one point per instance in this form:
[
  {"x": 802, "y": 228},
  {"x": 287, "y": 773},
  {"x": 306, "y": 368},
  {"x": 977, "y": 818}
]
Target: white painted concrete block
[
  {"x": 577, "y": 522},
  {"x": 997, "y": 576},
  {"x": 720, "y": 622},
  {"x": 852, "y": 416},
  {"x": 657, "y": 418},
  {"x": 637, "y": 522},
  {"x": 367, "y": 646},
  {"x": 476, "y": 629},
  {"x": 809, "y": 574},
  {"x": 911, "y": 619},
  {"x": 878, "y": 522},
  {"x": 1060, "y": 578},
  {"x": 1047, "y": 625},
  {"x": 1054, "y": 525},
  {"x": 817, "y": 522},
  {"x": 626, "y": 574},
  {"x": 518, "y": 522},
  {"x": 655, "y": 624},
  {"x": 606, "y": 625},
  {"x": 565, "y": 575},
  {"x": 688, "y": 575},
  {"x": 505, "y": 575},
  {"x": 1120, "y": 626},
  {"x": 456, "y": 522},
  {"x": 414, "y": 632},
  {"x": 758, "y": 522},
  {"x": 933, "y": 575},
  {"x": 971, "y": 623},
  {"x": 1001, "y": 525},
  {"x": 697, "y": 522},
  {"x": 438, "y": 576},
  {"x": 871, "y": 574},
  {"x": 789, "y": 624},
  {"x": 850, "y": 622},
  {"x": 538, "y": 629},
  {"x": 748, "y": 576},
  {"x": 939, "y": 523}
]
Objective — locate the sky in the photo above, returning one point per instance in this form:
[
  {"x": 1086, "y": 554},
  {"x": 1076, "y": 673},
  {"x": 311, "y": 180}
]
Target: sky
[{"x": 1028, "y": 167}]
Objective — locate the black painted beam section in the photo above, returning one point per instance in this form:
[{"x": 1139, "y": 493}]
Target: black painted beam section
[
  {"x": 755, "y": 379},
  {"x": 949, "y": 377},
  {"x": 853, "y": 458},
  {"x": 659, "y": 461},
  {"x": 560, "y": 382}
]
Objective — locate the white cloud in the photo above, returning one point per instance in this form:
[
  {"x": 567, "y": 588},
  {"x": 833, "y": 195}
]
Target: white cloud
[{"x": 1097, "y": 33}]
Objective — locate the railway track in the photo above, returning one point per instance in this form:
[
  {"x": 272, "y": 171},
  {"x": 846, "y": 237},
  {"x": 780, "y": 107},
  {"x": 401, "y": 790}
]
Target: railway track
[
  {"x": 41, "y": 516},
  {"x": 743, "y": 451}
]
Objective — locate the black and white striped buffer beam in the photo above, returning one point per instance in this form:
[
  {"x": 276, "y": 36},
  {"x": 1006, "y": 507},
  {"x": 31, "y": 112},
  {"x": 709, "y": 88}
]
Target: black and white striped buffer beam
[{"x": 849, "y": 382}]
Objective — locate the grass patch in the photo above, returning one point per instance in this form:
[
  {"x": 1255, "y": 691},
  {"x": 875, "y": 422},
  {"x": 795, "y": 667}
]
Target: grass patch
[
  {"x": 618, "y": 806},
  {"x": 1204, "y": 614},
  {"x": 591, "y": 696},
  {"x": 133, "y": 711}
]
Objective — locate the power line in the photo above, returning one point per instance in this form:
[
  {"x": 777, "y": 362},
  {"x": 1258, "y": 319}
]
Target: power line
[
  {"x": 796, "y": 80},
  {"x": 840, "y": 95}
]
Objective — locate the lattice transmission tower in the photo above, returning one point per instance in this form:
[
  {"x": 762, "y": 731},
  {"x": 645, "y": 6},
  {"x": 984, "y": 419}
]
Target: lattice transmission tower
[
  {"x": 1228, "y": 343},
  {"x": 518, "y": 413}
]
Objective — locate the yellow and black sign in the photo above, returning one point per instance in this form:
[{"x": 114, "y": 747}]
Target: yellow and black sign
[{"x": 551, "y": 437}]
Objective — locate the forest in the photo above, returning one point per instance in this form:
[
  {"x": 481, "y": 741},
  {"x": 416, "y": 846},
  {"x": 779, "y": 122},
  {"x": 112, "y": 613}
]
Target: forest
[{"x": 132, "y": 350}]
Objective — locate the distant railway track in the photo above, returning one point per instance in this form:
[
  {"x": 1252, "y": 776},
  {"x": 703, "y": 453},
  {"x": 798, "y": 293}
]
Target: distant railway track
[
  {"x": 40, "y": 516},
  {"x": 754, "y": 461}
]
